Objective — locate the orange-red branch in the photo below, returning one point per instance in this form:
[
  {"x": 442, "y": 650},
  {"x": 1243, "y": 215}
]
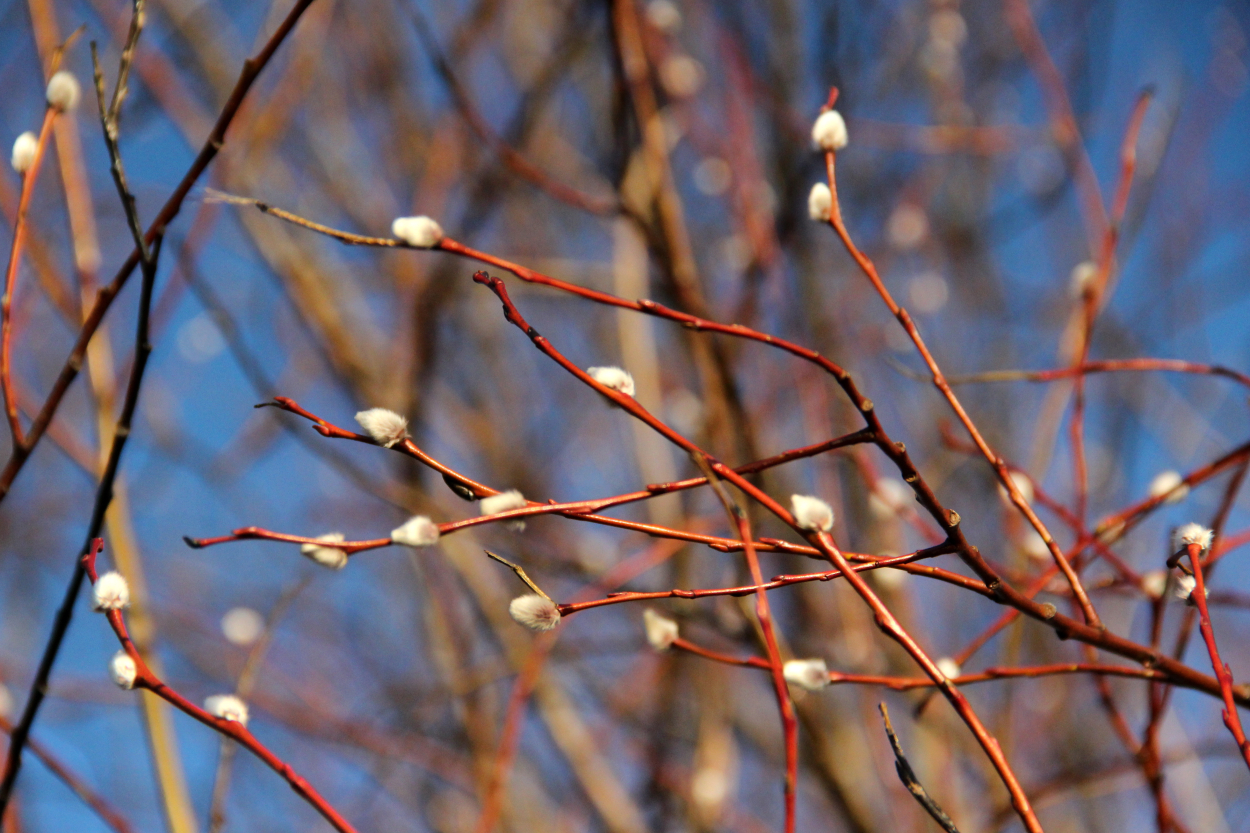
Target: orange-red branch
[
  {"x": 10, "y": 277},
  {"x": 1232, "y": 719},
  {"x": 145, "y": 678}
]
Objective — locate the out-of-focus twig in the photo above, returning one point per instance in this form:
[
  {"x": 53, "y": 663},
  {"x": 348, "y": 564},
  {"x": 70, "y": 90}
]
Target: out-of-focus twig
[{"x": 243, "y": 690}]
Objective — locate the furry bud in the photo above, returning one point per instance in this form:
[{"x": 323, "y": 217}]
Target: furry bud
[
  {"x": 820, "y": 203},
  {"x": 811, "y": 513},
  {"x": 332, "y": 557},
  {"x": 24, "y": 149},
  {"x": 613, "y": 377},
  {"x": 123, "y": 671},
  {"x": 811, "y": 674},
  {"x": 538, "y": 613},
  {"x": 421, "y": 232},
  {"x": 1154, "y": 583},
  {"x": 1170, "y": 486},
  {"x": 661, "y": 631},
  {"x": 111, "y": 592},
  {"x": 385, "y": 427},
  {"x": 1192, "y": 534},
  {"x": 63, "y": 91},
  {"x": 502, "y": 502},
  {"x": 829, "y": 131},
  {"x": 418, "y": 531},
  {"x": 227, "y": 707}
]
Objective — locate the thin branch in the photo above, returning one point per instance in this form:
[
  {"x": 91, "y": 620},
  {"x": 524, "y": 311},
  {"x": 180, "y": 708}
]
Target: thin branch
[
  {"x": 996, "y": 462},
  {"x": 106, "y": 294},
  {"x": 243, "y": 690},
  {"x": 908, "y": 776},
  {"x": 993, "y": 585},
  {"x": 144, "y": 678},
  {"x": 1232, "y": 719},
  {"x": 98, "y": 803},
  {"x": 1139, "y": 365},
  {"x": 21, "y": 452},
  {"x": 10, "y": 278},
  {"x": 520, "y": 573},
  {"x": 763, "y": 612},
  {"x": 885, "y": 620}
]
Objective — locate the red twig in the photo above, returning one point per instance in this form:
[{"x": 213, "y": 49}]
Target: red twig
[
  {"x": 763, "y": 612},
  {"x": 999, "y": 466},
  {"x": 910, "y": 683},
  {"x": 1126, "y": 519},
  {"x": 105, "y": 295},
  {"x": 10, "y": 277},
  {"x": 746, "y": 590},
  {"x": 1095, "y": 297},
  {"x": 993, "y": 583},
  {"x": 510, "y": 735},
  {"x": 1139, "y": 365},
  {"x": 1222, "y": 672},
  {"x": 822, "y": 540},
  {"x": 144, "y": 678}
]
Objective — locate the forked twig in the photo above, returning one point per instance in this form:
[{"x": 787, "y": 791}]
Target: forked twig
[
  {"x": 104, "y": 493},
  {"x": 145, "y": 679}
]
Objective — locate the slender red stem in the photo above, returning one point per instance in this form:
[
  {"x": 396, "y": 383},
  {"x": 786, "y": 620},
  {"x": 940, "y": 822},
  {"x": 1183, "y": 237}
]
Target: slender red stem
[
  {"x": 822, "y": 540},
  {"x": 1232, "y": 719},
  {"x": 10, "y": 277},
  {"x": 996, "y": 462},
  {"x": 144, "y": 678}
]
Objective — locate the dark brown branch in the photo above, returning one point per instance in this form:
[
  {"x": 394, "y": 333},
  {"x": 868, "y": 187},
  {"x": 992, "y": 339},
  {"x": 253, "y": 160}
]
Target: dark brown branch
[{"x": 908, "y": 776}]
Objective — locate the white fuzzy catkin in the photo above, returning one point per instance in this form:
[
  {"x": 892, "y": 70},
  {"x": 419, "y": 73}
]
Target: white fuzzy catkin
[
  {"x": 384, "y": 426},
  {"x": 332, "y": 557},
  {"x": 613, "y": 377},
  {"x": 123, "y": 670},
  {"x": 661, "y": 631},
  {"x": 829, "y": 131},
  {"x": 1192, "y": 534},
  {"x": 417, "y": 531},
  {"x": 1034, "y": 546},
  {"x": 422, "y": 232},
  {"x": 811, "y": 513},
  {"x": 811, "y": 674},
  {"x": 948, "y": 667},
  {"x": 820, "y": 203},
  {"x": 1169, "y": 483},
  {"x": 1154, "y": 583},
  {"x": 1084, "y": 275},
  {"x": 1185, "y": 587},
  {"x": 110, "y": 592},
  {"x": 1109, "y": 534},
  {"x": 227, "y": 707},
  {"x": 538, "y": 613},
  {"x": 24, "y": 149},
  {"x": 664, "y": 15},
  {"x": 63, "y": 91},
  {"x": 889, "y": 496},
  {"x": 502, "y": 502},
  {"x": 891, "y": 578},
  {"x": 242, "y": 625},
  {"x": 1023, "y": 484}
]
